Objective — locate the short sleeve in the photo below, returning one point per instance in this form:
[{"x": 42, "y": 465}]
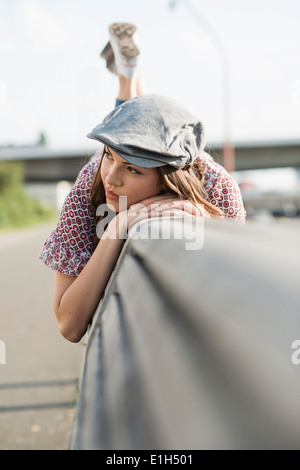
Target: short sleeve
[
  {"x": 71, "y": 244},
  {"x": 222, "y": 190}
]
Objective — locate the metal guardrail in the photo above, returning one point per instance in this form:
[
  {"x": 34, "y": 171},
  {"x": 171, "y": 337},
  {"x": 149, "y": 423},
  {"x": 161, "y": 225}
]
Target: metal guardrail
[{"x": 191, "y": 349}]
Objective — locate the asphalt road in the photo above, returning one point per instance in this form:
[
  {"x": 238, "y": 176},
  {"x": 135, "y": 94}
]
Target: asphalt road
[{"x": 38, "y": 383}]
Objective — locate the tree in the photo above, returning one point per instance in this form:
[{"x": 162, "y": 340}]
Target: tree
[{"x": 42, "y": 140}]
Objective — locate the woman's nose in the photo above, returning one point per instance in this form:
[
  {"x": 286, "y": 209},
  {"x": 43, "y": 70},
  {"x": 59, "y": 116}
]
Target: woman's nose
[{"x": 113, "y": 177}]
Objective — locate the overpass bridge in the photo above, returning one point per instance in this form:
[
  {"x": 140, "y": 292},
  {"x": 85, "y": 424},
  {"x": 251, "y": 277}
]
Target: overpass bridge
[{"x": 43, "y": 164}]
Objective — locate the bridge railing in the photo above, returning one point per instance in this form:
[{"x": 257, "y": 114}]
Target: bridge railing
[{"x": 192, "y": 349}]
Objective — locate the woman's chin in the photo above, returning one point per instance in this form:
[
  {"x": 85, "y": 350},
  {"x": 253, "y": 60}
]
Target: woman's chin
[{"x": 112, "y": 205}]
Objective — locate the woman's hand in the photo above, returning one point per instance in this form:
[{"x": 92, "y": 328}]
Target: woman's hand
[{"x": 157, "y": 206}]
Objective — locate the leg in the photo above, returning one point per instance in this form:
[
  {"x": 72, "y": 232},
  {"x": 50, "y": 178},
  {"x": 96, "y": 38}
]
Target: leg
[
  {"x": 122, "y": 57},
  {"x": 129, "y": 88}
]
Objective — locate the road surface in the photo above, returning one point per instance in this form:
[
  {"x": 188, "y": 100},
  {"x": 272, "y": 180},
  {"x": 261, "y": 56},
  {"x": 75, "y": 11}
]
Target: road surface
[{"x": 38, "y": 383}]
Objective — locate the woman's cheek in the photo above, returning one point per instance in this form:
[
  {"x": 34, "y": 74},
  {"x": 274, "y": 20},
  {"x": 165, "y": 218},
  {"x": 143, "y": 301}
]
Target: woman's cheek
[{"x": 104, "y": 170}]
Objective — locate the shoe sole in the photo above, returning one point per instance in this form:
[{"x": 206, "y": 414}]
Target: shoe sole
[{"x": 123, "y": 33}]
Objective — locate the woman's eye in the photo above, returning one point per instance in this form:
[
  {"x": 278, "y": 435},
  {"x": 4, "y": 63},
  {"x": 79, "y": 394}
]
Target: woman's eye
[
  {"x": 111, "y": 158},
  {"x": 132, "y": 170},
  {"x": 108, "y": 155}
]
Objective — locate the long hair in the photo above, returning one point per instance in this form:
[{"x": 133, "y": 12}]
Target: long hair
[{"x": 185, "y": 183}]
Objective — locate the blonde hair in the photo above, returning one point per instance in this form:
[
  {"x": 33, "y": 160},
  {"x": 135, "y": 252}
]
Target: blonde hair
[{"x": 187, "y": 183}]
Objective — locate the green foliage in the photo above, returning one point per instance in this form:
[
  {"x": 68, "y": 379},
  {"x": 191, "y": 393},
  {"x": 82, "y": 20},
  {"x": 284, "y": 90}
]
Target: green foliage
[
  {"x": 11, "y": 176},
  {"x": 18, "y": 209},
  {"x": 42, "y": 139}
]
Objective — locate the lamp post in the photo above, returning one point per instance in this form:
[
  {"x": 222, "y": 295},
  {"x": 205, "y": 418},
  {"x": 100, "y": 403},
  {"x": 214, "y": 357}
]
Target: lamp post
[{"x": 228, "y": 148}]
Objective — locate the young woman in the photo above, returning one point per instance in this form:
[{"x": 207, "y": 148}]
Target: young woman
[{"x": 153, "y": 156}]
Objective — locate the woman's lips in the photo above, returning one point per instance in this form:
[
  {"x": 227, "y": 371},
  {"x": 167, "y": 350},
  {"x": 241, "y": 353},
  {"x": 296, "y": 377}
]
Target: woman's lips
[{"x": 110, "y": 195}]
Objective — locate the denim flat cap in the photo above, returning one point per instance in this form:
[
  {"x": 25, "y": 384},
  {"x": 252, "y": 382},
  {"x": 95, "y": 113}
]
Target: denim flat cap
[{"x": 151, "y": 131}]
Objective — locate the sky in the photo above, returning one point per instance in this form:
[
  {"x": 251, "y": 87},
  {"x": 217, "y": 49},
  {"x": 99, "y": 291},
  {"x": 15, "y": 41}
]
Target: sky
[{"x": 53, "y": 80}]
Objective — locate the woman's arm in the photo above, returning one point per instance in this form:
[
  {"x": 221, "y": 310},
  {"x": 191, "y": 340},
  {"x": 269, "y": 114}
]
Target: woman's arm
[{"x": 76, "y": 298}]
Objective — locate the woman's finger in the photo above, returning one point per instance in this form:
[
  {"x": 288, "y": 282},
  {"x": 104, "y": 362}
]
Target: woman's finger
[
  {"x": 152, "y": 203},
  {"x": 167, "y": 205},
  {"x": 159, "y": 202},
  {"x": 184, "y": 205},
  {"x": 174, "y": 212},
  {"x": 154, "y": 199},
  {"x": 137, "y": 207}
]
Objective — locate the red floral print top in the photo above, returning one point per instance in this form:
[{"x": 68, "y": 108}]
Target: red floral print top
[{"x": 71, "y": 244}]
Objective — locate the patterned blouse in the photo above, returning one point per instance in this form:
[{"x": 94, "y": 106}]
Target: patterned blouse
[{"x": 71, "y": 244}]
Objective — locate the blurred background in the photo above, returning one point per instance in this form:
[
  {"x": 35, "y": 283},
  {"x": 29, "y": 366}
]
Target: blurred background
[{"x": 235, "y": 64}]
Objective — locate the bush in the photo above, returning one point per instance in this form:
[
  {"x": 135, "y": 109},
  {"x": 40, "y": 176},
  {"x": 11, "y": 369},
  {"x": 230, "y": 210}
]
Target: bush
[
  {"x": 18, "y": 209},
  {"x": 11, "y": 176}
]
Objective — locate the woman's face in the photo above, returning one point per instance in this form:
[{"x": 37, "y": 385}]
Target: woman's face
[{"x": 121, "y": 178}]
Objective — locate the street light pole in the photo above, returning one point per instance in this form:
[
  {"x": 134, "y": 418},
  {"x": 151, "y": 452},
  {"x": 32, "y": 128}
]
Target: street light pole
[{"x": 228, "y": 148}]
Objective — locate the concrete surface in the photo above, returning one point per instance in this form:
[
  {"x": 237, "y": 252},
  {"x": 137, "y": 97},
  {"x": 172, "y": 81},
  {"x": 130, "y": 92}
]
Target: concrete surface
[{"x": 38, "y": 383}]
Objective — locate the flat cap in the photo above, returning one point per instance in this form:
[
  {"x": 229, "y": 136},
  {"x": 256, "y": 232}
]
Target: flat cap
[{"x": 151, "y": 131}]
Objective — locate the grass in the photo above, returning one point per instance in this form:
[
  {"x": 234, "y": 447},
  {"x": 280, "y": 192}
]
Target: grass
[{"x": 18, "y": 210}]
